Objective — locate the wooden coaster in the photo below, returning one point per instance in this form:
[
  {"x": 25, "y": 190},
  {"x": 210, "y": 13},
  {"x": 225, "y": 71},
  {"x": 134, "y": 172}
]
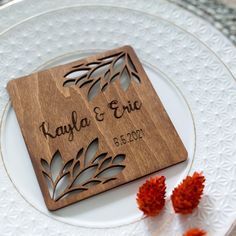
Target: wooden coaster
[{"x": 92, "y": 125}]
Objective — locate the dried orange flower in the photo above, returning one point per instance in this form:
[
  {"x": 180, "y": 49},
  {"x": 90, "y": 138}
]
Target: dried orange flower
[
  {"x": 195, "y": 232},
  {"x": 187, "y": 195},
  {"x": 151, "y": 196}
]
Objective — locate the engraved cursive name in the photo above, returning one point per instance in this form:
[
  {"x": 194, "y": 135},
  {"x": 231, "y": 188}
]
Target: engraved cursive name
[
  {"x": 119, "y": 109},
  {"x": 67, "y": 129}
]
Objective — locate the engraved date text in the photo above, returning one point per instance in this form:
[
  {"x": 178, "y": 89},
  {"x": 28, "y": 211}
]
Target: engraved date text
[{"x": 130, "y": 137}]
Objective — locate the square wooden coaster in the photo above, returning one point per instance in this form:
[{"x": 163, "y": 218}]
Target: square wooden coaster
[{"x": 92, "y": 125}]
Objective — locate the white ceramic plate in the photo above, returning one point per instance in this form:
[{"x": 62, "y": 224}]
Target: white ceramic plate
[{"x": 197, "y": 89}]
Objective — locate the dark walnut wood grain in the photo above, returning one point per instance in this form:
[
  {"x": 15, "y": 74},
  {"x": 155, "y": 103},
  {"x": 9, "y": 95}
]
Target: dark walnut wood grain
[{"x": 92, "y": 125}]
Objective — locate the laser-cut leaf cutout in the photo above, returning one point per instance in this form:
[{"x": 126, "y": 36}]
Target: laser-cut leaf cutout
[
  {"x": 79, "y": 81},
  {"x": 84, "y": 83},
  {"x": 131, "y": 64},
  {"x": 91, "y": 151},
  {"x": 49, "y": 183},
  {"x": 118, "y": 63},
  {"x": 135, "y": 78},
  {"x": 94, "y": 89},
  {"x": 102, "y": 72},
  {"x": 76, "y": 168},
  {"x": 95, "y": 63},
  {"x": 68, "y": 165},
  {"x": 69, "y": 82},
  {"x": 71, "y": 193},
  {"x": 108, "y": 180},
  {"x": 110, "y": 171},
  {"x": 45, "y": 165},
  {"x": 118, "y": 159},
  {"x": 76, "y": 73},
  {"x": 80, "y": 173},
  {"x": 92, "y": 183},
  {"x": 56, "y": 165},
  {"x": 115, "y": 77},
  {"x": 85, "y": 175},
  {"x": 105, "y": 163},
  {"x": 99, "y": 158},
  {"x": 104, "y": 87},
  {"x": 74, "y": 76},
  {"x": 79, "y": 153},
  {"x": 125, "y": 79},
  {"x": 107, "y": 75},
  {"x": 110, "y": 57},
  {"x": 61, "y": 185}
]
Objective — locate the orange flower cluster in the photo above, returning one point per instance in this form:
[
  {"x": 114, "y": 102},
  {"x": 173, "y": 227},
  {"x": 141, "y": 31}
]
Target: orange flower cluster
[
  {"x": 151, "y": 196},
  {"x": 195, "y": 232},
  {"x": 187, "y": 195}
]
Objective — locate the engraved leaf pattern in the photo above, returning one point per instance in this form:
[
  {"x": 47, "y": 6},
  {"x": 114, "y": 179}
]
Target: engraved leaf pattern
[
  {"x": 97, "y": 75},
  {"x": 86, "y": 170}
]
